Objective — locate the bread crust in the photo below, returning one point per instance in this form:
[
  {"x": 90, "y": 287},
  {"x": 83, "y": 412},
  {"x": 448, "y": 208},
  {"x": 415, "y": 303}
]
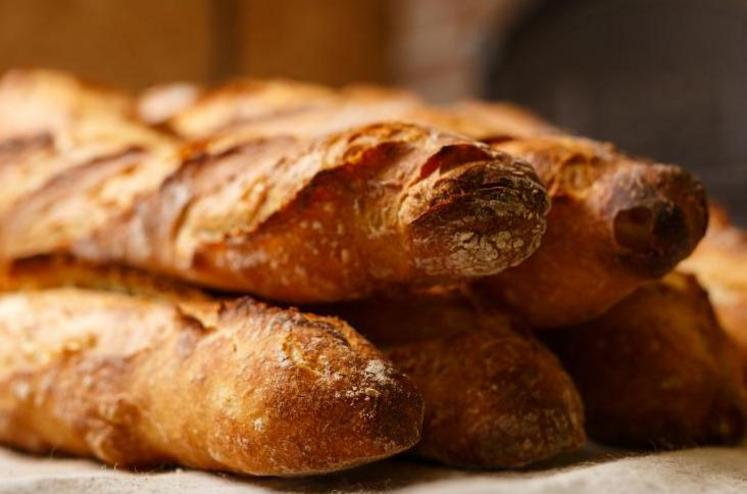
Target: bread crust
[
  {"x": 72, "y": 203},
  {"x": 657, "y": 370},
  {"x": 334, "y": 218},
  {"x": 288, "y": 218},
  {"x": 720, "y": 263},
  {"x": 494, "y": 396},
  {"x": 53, "y": 130},
  {"x": 246, "y": 102},
  {"x": 33, "y": 101},
  {"x": 616, "y": 222},
  {"x": 276, "y": 107},
  {"x": 141, "y": 373}
]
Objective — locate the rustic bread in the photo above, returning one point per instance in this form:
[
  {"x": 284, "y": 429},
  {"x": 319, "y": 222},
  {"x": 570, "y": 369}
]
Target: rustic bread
[
  {"x": 36, "y": 101},
  {"x": 494, "y": 396},
  {"x": 657, "y": 370},
  {"x": 158, "y": 104},
  {"x": 132, "y": 371},
  {"x": 332, "y": 219},
  {"x": 272, "y": 107},
  {"x": 616, "y": 222},
  {"x": 720, "y": 263},
  {"x": 68, "y": 125}
]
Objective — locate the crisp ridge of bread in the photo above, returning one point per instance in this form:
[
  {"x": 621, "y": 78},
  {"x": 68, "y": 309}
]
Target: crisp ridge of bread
[
  {"x": 334, "y": 218},
  {"x": 290, "y": 217}
]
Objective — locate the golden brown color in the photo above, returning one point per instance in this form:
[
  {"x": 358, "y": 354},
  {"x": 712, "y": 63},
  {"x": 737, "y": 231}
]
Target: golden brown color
[
  {"x": 51, "y": 123},
  {"x": 157, "y": 104},
  {"x": 616, "y": 222},
  {"x": 657, "y": 370},
  {"x": 141, "y": 373},
  {"x": 34, "y": 101},
  {"x": 720, "y": 263},
  {"x": 280, "y": 107},
  {"x": 70, "y": 159},
  {"x": 335, "y": 218},
  {"x": 494, "y": 396}
]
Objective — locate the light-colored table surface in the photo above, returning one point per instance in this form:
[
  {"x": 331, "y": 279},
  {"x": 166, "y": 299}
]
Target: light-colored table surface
[{"x": 705, "y": 470}]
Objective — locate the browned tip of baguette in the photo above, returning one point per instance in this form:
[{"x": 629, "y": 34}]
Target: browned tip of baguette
[
  {"x": 659, "y": 214},
  {"x": 333, "y": 401},
  {"x": 474, "y": 212}
]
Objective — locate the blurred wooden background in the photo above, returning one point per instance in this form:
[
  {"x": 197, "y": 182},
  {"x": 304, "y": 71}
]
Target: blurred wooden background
[{"x": 432, "y": 46}]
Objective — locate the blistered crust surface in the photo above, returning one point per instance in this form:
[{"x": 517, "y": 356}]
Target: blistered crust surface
[
  {"x": 144, "y": 373},
  {"x": 333, "y": 218}
]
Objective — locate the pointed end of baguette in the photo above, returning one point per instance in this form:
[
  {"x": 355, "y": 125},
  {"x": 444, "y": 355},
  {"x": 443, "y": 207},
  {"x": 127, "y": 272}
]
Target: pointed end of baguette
[{"x": 658, "y": 215}]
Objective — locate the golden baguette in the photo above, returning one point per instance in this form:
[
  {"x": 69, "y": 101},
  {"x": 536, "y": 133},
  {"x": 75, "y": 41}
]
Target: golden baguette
[
  {"x": 332, "y": 219},
  {"x": 38, "y": 101},
  {"x": 132, "y": 371},
  {"x": 617, "y": 221},
  {"x": 51, "y": 122},
  {"x": 657, "y": 370},
  {"x": 279, "y": 107},
  {"x": 494, "y": 396},
  {"x": 720, "y": 263},
  {"x": 247, "y": 102}
]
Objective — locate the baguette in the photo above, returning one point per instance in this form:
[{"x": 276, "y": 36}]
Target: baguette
[
  {"x": 657, "y": 370},
  {"x": 38, "y": 101},
  {"x": 263, "y": 108},
  {"x": 158, "y": 104},
  {"x": 720, "y": 263},
  {"x": 494, "y": 396},
  {"x": 52, "y": 207},
  {"x": 277, "y": 107},
  {"x": 616, "y": 222},
  {"x": 143, "y": 374},
  {"x": 51, "y": 123},
  {"x": 332, "y": 219}
]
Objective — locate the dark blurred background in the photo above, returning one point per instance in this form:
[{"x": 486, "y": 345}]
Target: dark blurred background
[{"x": 662, "y": 78}]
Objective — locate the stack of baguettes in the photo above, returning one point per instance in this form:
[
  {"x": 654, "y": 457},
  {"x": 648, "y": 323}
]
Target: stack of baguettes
[{"x": 138, "y": 236}]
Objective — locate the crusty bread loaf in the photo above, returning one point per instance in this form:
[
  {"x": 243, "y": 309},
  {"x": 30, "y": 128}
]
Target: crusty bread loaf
[
  {"x": 55, "y": 206},
  {"x": 158, "y": 104},
  {"x": 616, "y": 222},
  {"x": 51, "y": 123},
  {"x": 335, "y": 218},
  {"x": 494, "y": 396},
  {"x": 37, "y": 101},
  {"x": 245, "y": 102},
  {"x": 657, "y": 370},
  {"x": 133, "y": 372},
  {"x": 720, "y": 263},
  {"x": 278, "y": 107}
]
